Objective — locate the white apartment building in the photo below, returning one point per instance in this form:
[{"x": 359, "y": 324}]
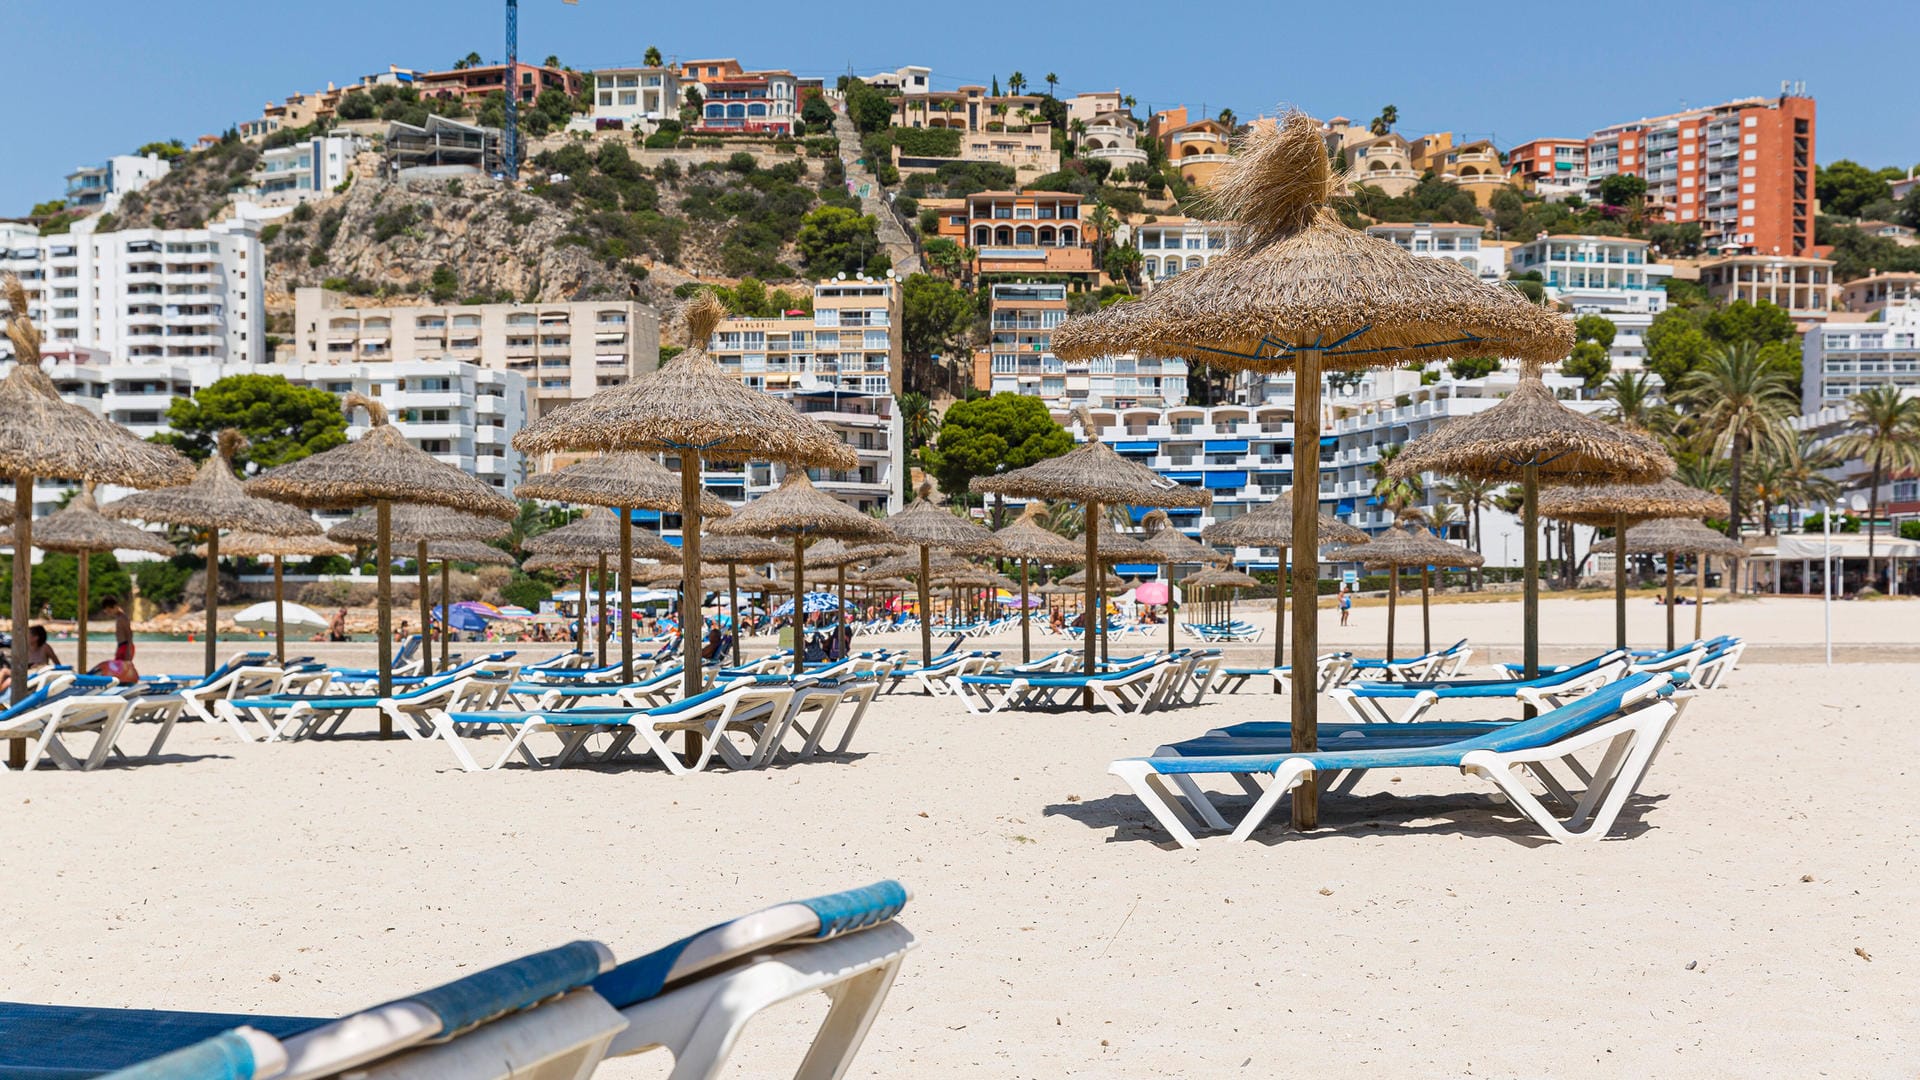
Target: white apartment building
[
  {"x": 101, "y": 187},
  {"x": 1172, "y": 244},
  {"x": 565, "y": 351},
  {"x": 1445, "y": 240},
  {"x": 144, "y": 294},
  {"x": 1838, "y": 360},
  {"x": 911, "y": 79},
  {"x": 1601, "y": 275},
  {"x": 850, "y": 343},
  {"x": 303, "y": 171},
  {"x": 1113, "y": 137},
  {"x": 459, "y": 412},
  {"x": 634, "y": 98}
]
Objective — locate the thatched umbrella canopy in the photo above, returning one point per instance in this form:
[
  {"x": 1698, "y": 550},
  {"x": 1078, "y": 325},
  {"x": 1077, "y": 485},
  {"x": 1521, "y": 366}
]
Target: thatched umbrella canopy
[
  {"x": 250, "y": 545},
  {"x": 927, "y": 526},
  {"x": 472, "y": 552},
  {"x": 839, "y": 557},
  {"x": 734, "y": 552},
  {"x": 215, "y": 500},
  {"x": 798, "y": 510},
  {"x": 625, "y": 481},
  {"x": 1534, "y": 440},
  {"x": 1400, "y": 547},
  {"x": 566, "y": 564},
  {"x": 1223, "y": 578},
  {"x": 1619, "y": 506},
  {"x": 599, "y": 533},
  {"x": 1300, "y": 290},
  {"x": 420, "y": 525},
  {"x": 1174, "y": 546},
  {"x": 1093, "y": 474},
  {"x": 81, "y": 529},
  {"x": 697, "y": 411},
  {"x": 381, "y": 468},
  {"x": 1671, "y": 537},
  {"x": 1272, "y": 526},
  {"x": 1030, "y": 541},
  {"x": 43, "y": 435},
  {"x": 6, "y": 511}
]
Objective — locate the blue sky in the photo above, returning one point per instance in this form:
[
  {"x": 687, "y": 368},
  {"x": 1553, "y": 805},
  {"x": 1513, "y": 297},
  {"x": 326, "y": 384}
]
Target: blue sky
[{"x": 83, "y": 80}]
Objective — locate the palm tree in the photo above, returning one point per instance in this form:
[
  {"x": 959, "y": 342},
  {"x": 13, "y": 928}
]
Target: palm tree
[
  {"x": 1129, "y": 102},
  {"x": 919, "y": 420},
  {"x": 1052, "y": 82},
  {"x": 1472, "y": 495},
  {"x": 652, "y": 57},
  {"x": 1803, "y": 476},
  {"x": 1886, "y": 435},
  {"x": 1016, "y": 82},
  {"x": 1105, "y": 223},
  {"x": 1744, "y": 402},
  {"x": 1228, "y": 120},
  {"x": 471, "y": 60},
  {"x": 1124, "y": 263},
  {"x": 1635, "y": 401},
  {"x": 1395, "y": 495}
]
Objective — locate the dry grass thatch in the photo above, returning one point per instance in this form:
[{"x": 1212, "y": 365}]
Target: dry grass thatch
[
  {"x": 81, "y": 527},
  {"x": 1530, "y": 426},
  {"x": 598, "y": 533},
  {"x": 1174, "y": 546},
  {"x": 743, "y": 550},
  {"x": 379, "y": 465},
  {"x": 630, "y": 480},
  {"x": 1115, "y": 547},
  {"x": 1028, "y": 538},
  {"x": 44, "y": 436},
  {"x": 215, "y": 500},
  {"x": 924, "y": 522},
  {"x": 1684, "y": 536},
  {"x": 1272, "y": 526},
  {"x": 561, "y": 562},
  {"x": 1219, "y": 578},
  {"x": 1297, "y": 278},
  {"x": 797, "y": 508},
  {"x": 1093, "y": 472},
  {"x": 690, "y": 405},
  {"x": 467, "y": 551},
  {"x": 250, "y": 545},
  {"x": 1402, "y": 546},
  {"x": 833, "y": 553},
  {"x": 908, "y": 565},
  {"x": 410, "y": 523},
  {"x": 1605, "y": 505}
]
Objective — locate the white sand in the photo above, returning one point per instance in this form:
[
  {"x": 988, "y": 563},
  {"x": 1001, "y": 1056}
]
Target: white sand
[{"x": 1424, "y": 932}]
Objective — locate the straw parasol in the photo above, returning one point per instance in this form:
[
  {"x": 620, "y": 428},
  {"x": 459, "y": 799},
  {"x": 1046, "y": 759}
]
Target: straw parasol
[
  {"x": 734, "y": 552},
  {"x": 837, "y": 555},
  {"x": 264, "y": 545},
  {"x": 1396, "y": 549},
  {"x": 695, "y": 410},
  {"x": 1272, "y": 526},
  {"x": 599, "y": 533},
  {"x": 1174, "y": 547},
  {"x": 625, "y": 481},
  {"x": 42, "y": 435},
  {"x": 1534, "y": 440},
  {"x": 1092, "y": 474},
  {"x": 81, "y": 529},
  {"x": 925, "y": 525},
  {"x": 801, "y": 511},
  {"x": 1669, "y": 537},
  {"x": 215, "y": 500},
  {"x": 1299, "y": 290},
  {"x": 1220, "y": 577},
  {"x": 1030, "y": 541},
  {"x": 1620, "y": 506},
  {"x": 381, "y": 468},
  {"x": 412, "y": 523},
  {"x": 565, "y": 564}
]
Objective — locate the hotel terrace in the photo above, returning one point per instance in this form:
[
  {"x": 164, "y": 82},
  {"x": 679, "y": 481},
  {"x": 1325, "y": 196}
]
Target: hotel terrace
[
  {"x": 969, "y": 108},
  {"x": 1877, "y": 291},
  {"x": 1014, "y": 232},
  {"x": 1803, "y": 286},
  {"x": 1199, "y": 150}
]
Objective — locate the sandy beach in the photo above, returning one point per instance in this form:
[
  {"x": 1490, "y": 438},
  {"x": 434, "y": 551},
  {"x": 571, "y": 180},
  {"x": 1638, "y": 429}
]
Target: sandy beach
[{"x": 1754, "y": 914}]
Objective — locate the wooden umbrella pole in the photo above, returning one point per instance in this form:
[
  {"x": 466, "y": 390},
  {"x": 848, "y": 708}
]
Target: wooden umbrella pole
[
  {"x": 1280, "y": 616},
  {"x": 799, "y": 603},
  {"x": 213, "y": 598},
  {"x": 840, "y": 613},
  {"x": 1305, "y": 729},
  {"x": 446, "y": 604},
  {"x": 1620, "y": 581},
  {"x": 1530, "y": 573},
  {"x": 1426, "y": 618},
  {"x": 926, "y": 609},
  {"x": 1670, "y": 556},
  {"x": 1103, "y": 614},
  {"x": 626, "y": 596},
  {"x": 1026, "y": 618},
  {"x": 600, "y": 630},
  {"x": 733, "y": 593},
  {"x": 1393, "y": 597},
  {"x": 22, "y": 579},
  {"x": 690, "y": 681},
  {"x": 279, "y": 615},
  {"x": 580, "y": 616},
  {"x": 1090, "y": 521},
  {"x": 80, "y": 616},
  {"x": 426, "y": 606},
  {"x": 1170, "y": 642},
  {"x": 1699, "y": 596},
  {"x": 383, "y": 625}
]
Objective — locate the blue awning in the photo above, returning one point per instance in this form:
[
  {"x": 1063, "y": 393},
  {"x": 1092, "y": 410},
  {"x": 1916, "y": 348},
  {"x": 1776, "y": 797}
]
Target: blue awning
[
  {"x": 1136, "y": 569},
  {"x": 1345, "y": 506},
  {"x": 1329, "y": 440},
  {"x": 673, "y": 540},
  {"x": 1148, "y": 447},
  {"x": 1184, "y": 477},
  {"x": 647, "y": 517},
  {"x": 1226, "y": 446},
  {"x": 1231, "y": 481}
]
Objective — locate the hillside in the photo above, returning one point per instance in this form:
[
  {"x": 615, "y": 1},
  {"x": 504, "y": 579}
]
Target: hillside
[{"x": 196, "y": 191}]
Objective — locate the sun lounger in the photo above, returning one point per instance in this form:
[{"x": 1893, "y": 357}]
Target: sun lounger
[
  {"x": 1330, "y": 670},
  {"x": 1629, "y": 718},
  {"x": 298, "y": 716},
  {"x": 931, "y": 677},
  {"x": 1128, "y": 689},
  {"x": 1366, "y": 702},
  {"x": 1442, "y": 664},
  {"x": 59, "y": 708}
]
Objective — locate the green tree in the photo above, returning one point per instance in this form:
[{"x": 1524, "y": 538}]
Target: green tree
[
  {"x": 1885, "y": 433},
  {"x": 283, "y": 422},
  {"x": 868, "y": 108},
  {"x": 1595, "y": 328},
  {"x": 1676, "y": 238},
  {"x": 1473, "y": 495},
  {"x": 1016, "y": 84},
  {"x": 1758, "y": 324},
  {"x": 1744, "y": 404},
  {"x": 1589, "y": 363},
  {"x": 56, "y": 582},
  {"x": 817, "y": 114},
  {"x": 1472, "y": 367},
  {"x": 444, "y": 285},
  {"x": 934, "y": 315},
  {"x": 1623, "y": 189},
  {"x": 1123, "y": 264},
  {"x": 1845, "y": 187},
  {"x": 1383, "y": 123},
  {"x": 652, "y": 57},
  {"x": 983, "y": 436},
  {"x": 919, "y": 420},
  {"x": 471, "y": 60},
  {"x": 1675, "y": 345},
  {"x": 1635, "y": 402},
  {"x": 355, "y": 106},
  {"x": 835, "y": 239}
]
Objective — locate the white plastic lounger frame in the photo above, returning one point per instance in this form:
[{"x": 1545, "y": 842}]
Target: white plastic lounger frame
[
  {"x": 43, "y": 729},
  {"x": 1363, "y": 709}
]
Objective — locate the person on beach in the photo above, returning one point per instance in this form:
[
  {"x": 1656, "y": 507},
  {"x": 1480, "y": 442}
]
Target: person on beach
[
  {"x": 337, "y": 631},
  {"x": 120, "y": 668},
  {"x": 1346, "y": 604}
]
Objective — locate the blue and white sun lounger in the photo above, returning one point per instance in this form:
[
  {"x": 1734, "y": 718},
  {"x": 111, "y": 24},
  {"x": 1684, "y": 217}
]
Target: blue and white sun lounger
[
  {"x": 1134, "y": 688},
  {"x": 1441, "y": 664},
  {"x": 1366, "y": 702},
  {"x": 63, "y": 705},
  {"x": 1330, "y": 669},
  {"x": 1629, "y": 718},
  {"x": 931, "y": 677}
]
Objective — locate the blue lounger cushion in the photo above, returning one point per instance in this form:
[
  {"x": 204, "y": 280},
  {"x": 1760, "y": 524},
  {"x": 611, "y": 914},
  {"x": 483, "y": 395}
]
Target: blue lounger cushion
[
  {"x": 226, "y": 1056},
  {"x": 564, "y": 717},
  {"x": 1548, "y": 727},
  {"x": 55, "y": 1041},
  {"x": 1056, "y": 680},
  {"x": 1280, "y": 729}
]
